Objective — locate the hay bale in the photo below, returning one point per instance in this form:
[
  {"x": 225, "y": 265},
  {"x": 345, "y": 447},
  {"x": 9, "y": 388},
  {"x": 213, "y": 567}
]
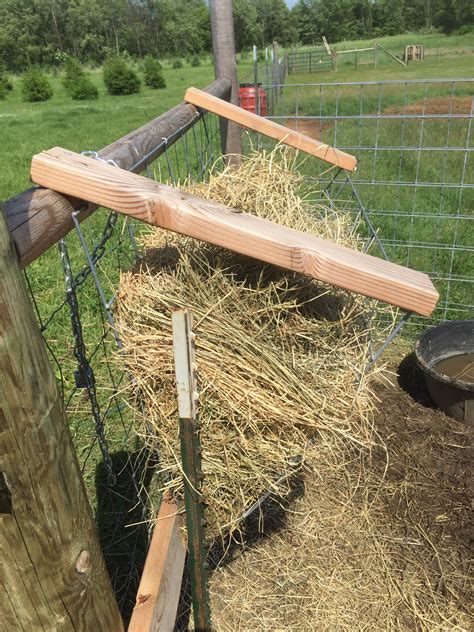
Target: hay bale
[{"x": 279, "y": 353}]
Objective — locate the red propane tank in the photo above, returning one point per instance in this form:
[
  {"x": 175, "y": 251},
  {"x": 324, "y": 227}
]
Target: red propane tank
[{"x": 248, "y": 101}]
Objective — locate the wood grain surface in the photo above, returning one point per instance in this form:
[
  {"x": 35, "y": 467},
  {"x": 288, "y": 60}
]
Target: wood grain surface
[
  {"x": 158, "y": 594},
  {"x": 52, "y": 573},
  {"x": 175, "y": 210},
  {"x": 274, "y": 130}
]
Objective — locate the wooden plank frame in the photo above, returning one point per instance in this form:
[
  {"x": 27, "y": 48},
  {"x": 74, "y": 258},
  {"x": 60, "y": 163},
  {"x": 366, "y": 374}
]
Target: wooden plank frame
[
  {"x": 160, "y": 585},
  {"x": 274, "y": 130},
  {"x": 175, "y": 210}
]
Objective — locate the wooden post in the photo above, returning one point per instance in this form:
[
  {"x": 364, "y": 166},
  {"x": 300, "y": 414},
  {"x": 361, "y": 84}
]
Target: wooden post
[
  {"x": 276, "y": 70},
  {"x": 52, "y": 572},
  {"x": 223, "y": 48}
]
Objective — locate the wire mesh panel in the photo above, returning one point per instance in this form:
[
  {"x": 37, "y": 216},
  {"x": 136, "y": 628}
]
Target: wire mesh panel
[
  {"x": 73, "y": 288},
  {"x": 415, "y": 177}
]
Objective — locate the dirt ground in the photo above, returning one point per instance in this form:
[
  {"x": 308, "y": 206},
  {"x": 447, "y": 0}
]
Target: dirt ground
[
  {"x": 433, "y": 455},
  {"x": 382, "y": 546},
  {"x": 439, "y": 105},
  {"x": 442, "y": 105}
]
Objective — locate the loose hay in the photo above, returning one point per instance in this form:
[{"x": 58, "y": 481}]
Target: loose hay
[
  {"x": 375, "y": 541},
  {"x": 279, "y": 354}
]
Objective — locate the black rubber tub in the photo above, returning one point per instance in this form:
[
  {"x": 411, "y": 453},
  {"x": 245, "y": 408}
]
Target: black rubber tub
[{"x": 446, "y": 355}]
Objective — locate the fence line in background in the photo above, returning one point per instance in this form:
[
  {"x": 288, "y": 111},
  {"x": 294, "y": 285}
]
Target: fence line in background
[{"x": 413, "y": 140}]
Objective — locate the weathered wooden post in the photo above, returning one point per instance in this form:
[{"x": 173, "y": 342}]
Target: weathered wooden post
[
  {"x": 52, "y": 571},
  {"x": 223, "y": 48}
]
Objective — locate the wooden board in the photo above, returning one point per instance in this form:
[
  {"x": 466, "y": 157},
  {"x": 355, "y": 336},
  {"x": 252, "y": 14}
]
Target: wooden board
[
  {"x": 175, "y": 210},
  {"x": 270, "y": 128},
  {"x": 160, "y": 585}
]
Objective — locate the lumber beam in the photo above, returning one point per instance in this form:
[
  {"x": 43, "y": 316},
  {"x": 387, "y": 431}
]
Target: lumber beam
[
  {"x": 390, "y": 54},
  {"x": 158, "y": 594},
  {"x": 180, "y": 212},
  {"x": 270, "y": 128},
  {"x": 38, "y": 219}
]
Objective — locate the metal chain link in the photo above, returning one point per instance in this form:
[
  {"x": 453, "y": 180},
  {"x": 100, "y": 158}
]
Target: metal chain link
[
  {"x": 84, "y": 376},
  {"x": 99, "y": 249}
]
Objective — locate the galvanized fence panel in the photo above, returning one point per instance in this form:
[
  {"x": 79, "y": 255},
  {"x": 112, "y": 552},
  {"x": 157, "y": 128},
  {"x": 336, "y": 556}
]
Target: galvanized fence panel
[
  {"x": 313, "y": 60},
  {"x": 413, "y": 140}
]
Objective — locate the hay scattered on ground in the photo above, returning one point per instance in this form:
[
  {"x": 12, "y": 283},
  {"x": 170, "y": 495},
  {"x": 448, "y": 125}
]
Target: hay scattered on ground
[
  {"x": 379, "y": 541},
  {"x": 279, "y": 354}
]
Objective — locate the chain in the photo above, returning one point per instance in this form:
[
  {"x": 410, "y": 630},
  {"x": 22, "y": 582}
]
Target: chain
[
  {"x": 84, "y": 376},
  {"x": 99, "y": 250}
]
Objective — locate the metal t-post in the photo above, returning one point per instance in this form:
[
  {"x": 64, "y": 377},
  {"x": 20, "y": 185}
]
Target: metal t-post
[{"x": 186, "y": 384}]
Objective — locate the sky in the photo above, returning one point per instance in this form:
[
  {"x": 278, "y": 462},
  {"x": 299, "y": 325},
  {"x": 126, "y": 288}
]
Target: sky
[{"x": 290, "y": 3}]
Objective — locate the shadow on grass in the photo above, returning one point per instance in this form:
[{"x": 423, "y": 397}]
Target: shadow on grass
[{"x": 120, "y": 515}]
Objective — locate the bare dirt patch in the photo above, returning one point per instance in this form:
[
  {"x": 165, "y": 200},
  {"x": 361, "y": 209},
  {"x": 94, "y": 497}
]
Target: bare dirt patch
[
  {"x": 441, "y": 105},
  {"x": 310, "y": 127}
]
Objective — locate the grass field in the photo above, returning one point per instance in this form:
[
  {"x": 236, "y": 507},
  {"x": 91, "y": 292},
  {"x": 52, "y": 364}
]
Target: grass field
[
  {"x": 27, "y": 128},
  {"x": 421, "y": 220}
]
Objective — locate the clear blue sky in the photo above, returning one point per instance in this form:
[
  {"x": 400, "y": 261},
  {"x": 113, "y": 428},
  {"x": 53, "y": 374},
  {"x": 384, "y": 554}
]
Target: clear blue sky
[{"x": 290, "y": 3}]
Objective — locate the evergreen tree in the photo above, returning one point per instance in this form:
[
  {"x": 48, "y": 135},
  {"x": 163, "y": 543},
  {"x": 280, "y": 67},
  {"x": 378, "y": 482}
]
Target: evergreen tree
[{"x": 152, "y": 72}]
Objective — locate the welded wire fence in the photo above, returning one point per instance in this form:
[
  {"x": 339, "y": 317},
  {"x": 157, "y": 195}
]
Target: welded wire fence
[
  {"x": 73, "y": 288},
  {"x": 415, "y": 177}
]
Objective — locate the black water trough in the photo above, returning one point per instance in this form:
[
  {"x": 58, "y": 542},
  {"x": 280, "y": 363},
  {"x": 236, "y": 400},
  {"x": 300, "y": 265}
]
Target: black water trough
[{"x": 446, "y": 355}]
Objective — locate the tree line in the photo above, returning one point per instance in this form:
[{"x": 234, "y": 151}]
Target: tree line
[{"x": 43, "y": 31}]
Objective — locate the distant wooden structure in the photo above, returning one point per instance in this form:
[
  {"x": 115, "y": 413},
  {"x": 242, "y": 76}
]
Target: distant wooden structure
[{"x": 414, "y": 52}]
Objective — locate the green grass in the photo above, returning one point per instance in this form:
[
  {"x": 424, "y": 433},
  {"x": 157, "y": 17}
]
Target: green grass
[
  {"x": 27, "y": 128},
  {"x": 445, "y": 57}
]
